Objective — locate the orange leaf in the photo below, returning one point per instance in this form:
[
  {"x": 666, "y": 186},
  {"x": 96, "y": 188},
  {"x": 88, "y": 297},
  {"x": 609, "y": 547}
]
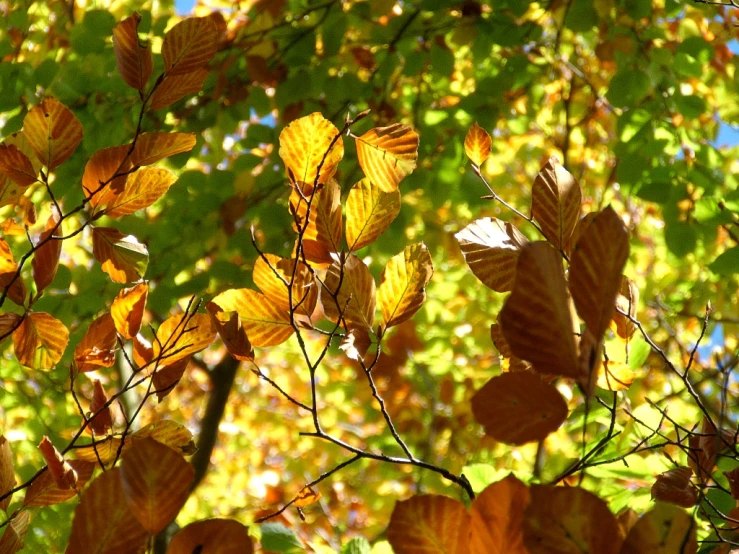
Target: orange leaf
[
  {"x": 189, "y": 45},
  {"x": 213, "y": 536},
  {"x": 231, "y": 331},
  {"x": 477, "y": 144},
  {"x": 306, "y": 497},
  {"x": 356, "y": 343},
  {"x": 8, "y": 270},
  {"x": 143, "y": 189},
  {"x": 555, "y": 203},
  {"x": 97, "y": 347},
  {"x": 121, "y": 256},
  {"x": 10, "y": 192},
  {"x": 663, "y": 530},
  {"x": 355, "y": 298},
  {"x": 518, "y": 407},
  {"x": 388, "y": 154},
  {"x": 152, "y": 147},
  {"x": 674, "y": 486},
  {"x": 133, "y": 58},
  {"x": 156, "y": 483},
  {"x": 45, "y": 492},
  {"x": 53, "y": 132},
  {"x": 16, "y": 165},
  {"x": 181, "y": 336},
  {"x": 491, "y": 248},
  {"x": 304, "y": 289},
  {"x": 46, "y": 258},
  {"x": 143, "y": 352},
  {"x": 7, "y": 472},
  {"x": 402, "y": 289},
  {"x": 497, "y": 518},
  {"x": 303, "y": 145},
  {"x": 536, "y": 318},
  {"x": 102, "y": 420},
  {"x": 8, "y": 323},
  {"x": 103, "y": 522},
  {"x": 40, "y": 341},
  {"x": 127, "y": 310},
  {"x": 166, "y": 378},
  {"x": 14, "y": 534},
  {"x": 627, "y": 301},
  {"x": 265, "y": 323},
  {"x": 569, "y": 519},
  {"x": 64, "y": 476},
  {"x": 98, "y": 183},
  {"x": 322, "y": 235},
  {"x": 429, "y": 524},
  {"x": 174, "y": 87},
  {"x": 369, "y": 212},
  {"x": 105, "y": 451}
]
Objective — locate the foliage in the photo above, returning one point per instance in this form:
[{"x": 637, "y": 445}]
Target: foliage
[{"x": 270, "y": 219}]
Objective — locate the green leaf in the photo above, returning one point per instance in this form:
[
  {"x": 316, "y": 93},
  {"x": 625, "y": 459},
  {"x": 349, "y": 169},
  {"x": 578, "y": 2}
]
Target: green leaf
[
  {"x": 581, "y": 16},
  {"x": 638, "y": 352},
  {"x": 358, "y": 545},
  {"x": 628, "y": 87},
  {"x": 727, "y": 263},
  {"x": 278, "y": 538},
  {"x": 681, "y": 238},
  {"x": 690, "y": 106},
  {"x": 481, "y": 475}
]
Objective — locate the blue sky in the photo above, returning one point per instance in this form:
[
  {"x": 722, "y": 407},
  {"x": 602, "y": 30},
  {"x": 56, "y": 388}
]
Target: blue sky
[{"x": 184, "y": 7}]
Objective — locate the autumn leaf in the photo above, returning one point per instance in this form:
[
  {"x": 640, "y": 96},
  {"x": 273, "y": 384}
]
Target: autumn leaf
[
  {"x": 63, "y": 474},
  {"x": 142, "y": 189},
  {"x": 305, "y": 143},
  {"x": 53, "y": 132},
  {"x": 156, "y": 482},
  {"x": 13, "y": 537},
  {"x": 306, "y": 497},
  {"x": 403, "y": 282},
  {"x": 350, "y": 291},
  {"x": 429, "y": 524},
  {"x": 40, "y": 341},
  {"x": 46, "y": 258},
  {"x": 152, "y": 147},
  {"x": 213, "y": 536},
  {"x": 626, "y": 301},
  {"x": 674, "y": 486},
  {"x": 662, "y": 530},
  {"x": 189, "y": 45},
  {"x": 10, "y": 192},
  {"x": 265, "y": 323},
  {"x": 356, "y": 343},
  {"x": 121, "y": 256},
  {"x": 127, "y": 310},
  {"x": 518, "y": 407},
  {"x": 270, "y": 274},
  {"x": 369, "y": 212},
  {"x": 615, "y": 376},
  {"x": 9, "y": 280},
  {"x": 497, "y": 518},
  {"x": 232, "y": 333},
  {"x": 491, "y": 248},
  {"x": 322, "y": 234},
  {"x": 133, "y": 58},
  {"x": 98, "y": 182},
  {"x": 175, "y": 87},
  {"x": 7, "y": 472},
  {"x": 101, "y": 420},
  {"x": 181, "y": 336},
  {"x": 166, "y": 378},
  {"x": 44, "y": 491},
  {"x": 97, "y": 347},
  {"x": 15, "y": 165},
  {"x": 388, "y": 154},
  {"x": 477, "y": 144},
  {"x": 555, "y": 203}
]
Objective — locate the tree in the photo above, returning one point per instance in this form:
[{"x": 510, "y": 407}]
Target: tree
[{"x": 327, "y": 273}]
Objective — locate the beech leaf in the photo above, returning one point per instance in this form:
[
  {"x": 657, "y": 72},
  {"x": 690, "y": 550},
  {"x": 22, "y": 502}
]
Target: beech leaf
[
  {"x": 232, "y": 333},
  {"x": 97, "y": 347},
  {"x": 265, "y": 323},
  {"x": 189, "y": 45},
  {"x": 15, "y": 165},
  {"x": 388, "y": 154},
  {"x": 44, "y": 491},
  {"x": 213, "y": 536},
  {"x": 141, "y": 190},
  {"x": 53, "y": 132},
  {"x": 497, "y": 518},
  {"x": 133, "y": 59},
  {"x": 7, "y": 472},
  {"x": 152, "y": 147},
  {"x": 369, "y": 212},
  {"x": 662, "y": 530},
  {"x": 121, "y": 256},
  {"x": 402, "y": 289},
  {"x": 304, "y": 289},
  {"x": 355, "y": 297},
  {"x": 477, "y": 144},
  {"x": 674, "y": 486},
  {"x": 555, "y": 203},
  {"x": 98, "y": 182},
  {"x": 14, "y": 534},
  {"x": 8, "y": 269},
  {"x": 322, "y": 235},
  {"x": 175, "y": 87},
  {"x": 46, "y": 258},
  {"x": 181, "y": 336},
  {"x": 303, "y": 145},
  {"x": 40, "y": 341},
  {"x": 429, "y": 524},
  {"x": 127, "y": 310}
]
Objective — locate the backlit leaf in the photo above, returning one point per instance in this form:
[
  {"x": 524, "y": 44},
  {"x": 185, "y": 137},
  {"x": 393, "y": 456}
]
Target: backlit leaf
[
  {"x": 497, "y": 518},
  {"x": 518, "y": 407},
  {"x": 304, "y": 289},
  {"x": 10, "y": 191},
  {"x": 46, "y": 258},
  {"x": 429, "y": 524},
  {"x": 181, "y": 336},
  {"x": 369, "y": 212},
  {"x": 477, "y": 144},
  {"x": 142, "y": 189},
  {"x": 166, "y": 378},
  {"x": 97, "y": 180},
  {"x": 97, "y": 347},
  {"x": 626, "y": 301},
  {"x": 615, "y": 376},
  {"x": 212, "y": 536},
  {"x": 189, "y": 45},
  {"x": 45, "y": 492},
  {"x": 355, "y": 297},
  {"x": 8, "y": 323},
  {"x": 491, "y": 248},
  {"x": 674, "y": 486},
  {"x": 53, "y": 132},
  {"x": 306, "y": 497},
  {"x": 7, "y": 472},
  {"x": 303, "y": 145},
  {"x": 40, "y": 341},
  {"x": 536, "y": 318},
  {"x": 102, "y": 420},
  {"x": 13, "y": 537},
  {"x": 156, "y": 483},
  {"x": 174, "y": 87},
  {"x": 8, "y": 275},
  {"x": 127, "y": 310},
  {"x": 555, "y": 203},
  {"x": 15, "y": 165},
  {"x": 663, "y": 530},
  {"x": 133, "y": 59},
  {"x": 388, "y": 154},
  {"x": 265, "y": 323},
  {"x": 152, "y": 147},
  {"x": 121, "y": 256},
  {"x": 403, "y": 282},
  {"x": 231, "y": 331},
  {"x": 63, "y": 474},
  {"x": 322, "y": 236}
]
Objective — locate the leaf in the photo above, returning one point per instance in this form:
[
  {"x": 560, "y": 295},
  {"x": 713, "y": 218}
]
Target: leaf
[
  {"x": 663, "y": 530},
  {"x": 8, "y": 270},
  {"x": 97, "y": 347},
  {"x": 168, "y": 432},
  {"x": 355, "y": 298},
  {"x": 357, "y": 545},
  {"x": 40, "y": 341},
  {"x": 518, "y": 407},
  {"x": 62, "y": 473},
  {"x": 7, "y": 472},
  {"x": 369, "y": 212},
  {"x": 45, "y": 492},
  {"x": 127, "y": 310},
  {"x": 53, "y": 132},
  {"x": 595, "y": 270},
  {"x": 15, "y": 165},
  {"x": 536, "y": 318},
  {"x": 491, "y": 248},
  {"x": 303, "y": 145},
  {"x": 152, "y": 147},
  {"x": 103, "y": 522},
  {"x": 555, "y": 203},
  {"x": 189, "y": 45},
  {"x": 133, "y": 59},
  {"x": 429, "y": 524},
  {"x": 275, "y": 537},
  {"x": 403, "y": 283},
  {"x": 306, "y": 497},
  {"x": 166, "y": 378},
  {"x": 388, "y": 154},
  {"x": 356, "y": 343},
  {"x": 569, "y": 519},
  {"x": 14, "y": 534},
  {"x": 674, "y": 486},
  {"x": 616, "y": 376},
  {"x": 101, "y": 420},
  {"x": 181, "y": 336},
  {"x": 98, "y": 183},
  {"x": 46, "y": 258},
  {"x": 265, "y": 324},
  {"x": 497, "y": 518},
  {"x": 174, "y": 87},
  {"x": 156, "y": 482},
  {"x": 10, "y": 192},
  {"x": 212, "y": 536},
  {"x": 121, "y": 256},
  {"x": 8, "y": 323},
  {"x": 477, "y": 144},
  {"x": 727, "y": 263},
  {"x": 626, "y": 301},
  {"x": 304, "y": 289},
  {"x": 232, "y": 333},
  {"x": 322, "y": 235},
  {"x": 142, "y": 189}
]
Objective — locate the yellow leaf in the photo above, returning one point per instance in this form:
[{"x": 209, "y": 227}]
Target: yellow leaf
[
  {"x": 429, "y": 524},
  {"x": 305, "y": 143},
  {"x": 265, "y": 323},
  {"x": 555, "y": 203},
  {"x": 304, "y": 289},
  {"x": 369, "y": 212},
  {"x": 121, "y": 256},
  {"x": 402, "y": 289},
  {"x": 127, "y": 310},
  {"x": 355, "y": 298},
  {"x": 663, "y": 530},
  {"x": 232, "y": 333},
  {"x": 477, "y": 144},
  {"x": 615, "y": 376},
  {"x": 174, "y": 87},
  {"x": 388, "y": 154},
  {"x": 152, "y": 147},
  {"x": 181, "y": 336},
  {"x": 189, "y": 45},
  {"x": 8, "y": 274},
  {"x": 306, "y": 497},
  {"x": 141, "y": 190},
  {"x": 40, "y": 341},
  {"x": 53, "y": 132},
  {"x": 133, "y": 59}
]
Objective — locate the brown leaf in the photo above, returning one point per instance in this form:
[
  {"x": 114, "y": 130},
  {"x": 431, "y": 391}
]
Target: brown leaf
[
  {"x": 64, "y": 476},
  {"x": 8, "y": 324},
  {"x": 174, "y": 87},
  {"x": 496, "y": 334},
  {"x": 402, "y": 289},
  {"x": 8, "y": 270},
  {"x": 53, "y": 132},
  {"x": 388, "y": 154},
  {"x": 213, "y": 536},
  {"x": 491, "y": 248},
  {"x": 133, "y": 59},
  {"x": 127, "y": 310},
  {"x": 355, "y": 298},
  {"x": 97, "y": 347},
  {"x": 429, "y": 524},
  {"x": 121, "y": 256},
  {"x": 7, "y": 472},
  {"x": 304, "y": 289},
  {"x": 181, "y": 336},
  {"x": 142, "y": 189},
  {"x": 626, "y": 301},
  {"x": 102, "y": 420},
  {"x": 303, "y": 145},
  {"x": 45, "y": 492},
  {"x": 232, "y": 333},
  {"x": 16, "y": 166},
  {"x": 143, "y": 352},
  {"x": 322, "y": 235},
  {"x": 265, "y": 323},
  {"x": 477, "y": 144},
  {"x": 156, "y": 482},
  {"x": 40, "y": 341},
  {"x": 518, "y": 407},
  {"x": 46, "y": 258},
  {"x": 674, "y": 486},
  {"x": 497, "y": 518},
  {"x": 356, "y": 343},
  {"x": 536, "y": 318},
  {"x": 369, "y": 212},
  {"x": 555, "y": 203},
  {"x": 166, "y": 378},
  {"x": 665, "y": 529},
  {"x": 189, "y": 45},
  {"x": 733, "y": 478},
  {"x": 10, "y": 192},
  {"x": 152, "y": 147},
  {"x": 98, "y": 182},
  {"x": 15, "y": 533}
]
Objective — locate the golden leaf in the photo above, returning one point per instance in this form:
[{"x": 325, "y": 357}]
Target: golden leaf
[
  {"x": 402, "y": 289},
  {"x": 189, "y": 45},
  {"x": 53, "y": 132},
  {"x": 477, "y": 144},
  {"x": 388, "y": 154},
  {"x": 429, "y": 524},
  {"x": 369, "y": 212},
  {"x": 40, "y": 341},
  {"x": 305, "y": 143},
  {"x": 555, "y": 203},
  {"x": 265, "y": 323}
]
